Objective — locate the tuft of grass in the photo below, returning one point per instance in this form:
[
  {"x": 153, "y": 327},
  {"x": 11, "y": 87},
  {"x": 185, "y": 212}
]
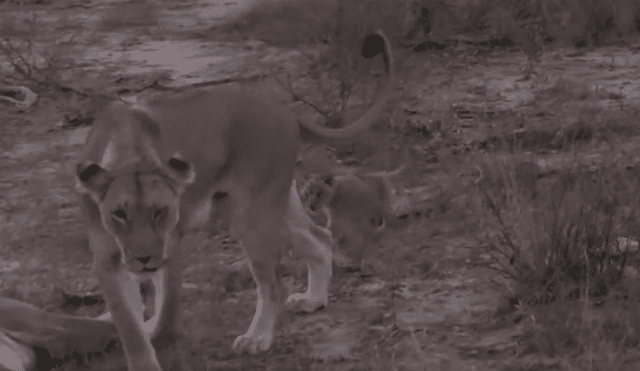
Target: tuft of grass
[{"x": 565, "y": 242}]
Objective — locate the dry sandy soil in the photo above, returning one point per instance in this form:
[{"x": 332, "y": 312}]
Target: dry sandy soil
[{"x": 420, "y": 303}]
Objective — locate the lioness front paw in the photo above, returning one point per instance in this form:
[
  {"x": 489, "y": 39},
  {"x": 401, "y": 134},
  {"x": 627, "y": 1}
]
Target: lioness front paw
[
  {"x": 252, "y": 344},
  {"x": 305, "y": 303}
]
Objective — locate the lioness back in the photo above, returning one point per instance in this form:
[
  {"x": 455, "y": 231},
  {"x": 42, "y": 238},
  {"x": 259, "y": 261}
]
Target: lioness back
[{"x": 259, "y": 143}]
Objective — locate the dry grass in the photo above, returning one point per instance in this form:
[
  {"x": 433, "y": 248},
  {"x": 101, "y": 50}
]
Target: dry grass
[
  {"x": 563, "y": 241},
  {"x": 334, "y": 75},
  {"x": 30, "y": 55}
]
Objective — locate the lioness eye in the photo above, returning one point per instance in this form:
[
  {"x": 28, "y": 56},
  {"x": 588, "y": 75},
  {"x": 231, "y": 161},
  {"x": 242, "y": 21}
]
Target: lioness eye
[{"x": 120, "y": 215}]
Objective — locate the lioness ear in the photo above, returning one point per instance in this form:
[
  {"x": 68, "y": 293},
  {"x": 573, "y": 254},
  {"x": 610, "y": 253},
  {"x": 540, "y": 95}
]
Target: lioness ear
[
  {"x": 182, "y": 169},
  {"x": 91, "y": 178}
]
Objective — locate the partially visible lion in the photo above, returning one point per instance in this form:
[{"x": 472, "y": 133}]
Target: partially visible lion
[{"x": 25, "y": 328}]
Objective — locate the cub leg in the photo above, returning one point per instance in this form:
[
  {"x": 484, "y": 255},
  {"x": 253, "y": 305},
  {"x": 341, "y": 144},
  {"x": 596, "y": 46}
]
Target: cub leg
[
  {"x": 122, "y": 294},
  {"x": 314, "y": 243},
  {"x": 263, "y": 233}
]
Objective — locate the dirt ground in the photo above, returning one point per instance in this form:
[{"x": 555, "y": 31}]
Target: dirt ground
[{"x": 422, "y": 303}]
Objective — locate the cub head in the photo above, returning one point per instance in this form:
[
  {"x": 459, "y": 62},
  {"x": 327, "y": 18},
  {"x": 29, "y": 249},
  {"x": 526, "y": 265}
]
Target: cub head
[
  {"x": 317, "y": 191},
  {"x": 138, "y": 205}
]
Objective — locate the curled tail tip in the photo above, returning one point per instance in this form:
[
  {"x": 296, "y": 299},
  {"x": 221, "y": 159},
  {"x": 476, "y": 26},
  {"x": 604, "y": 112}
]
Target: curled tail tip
[{"x": 374, "y": 44}]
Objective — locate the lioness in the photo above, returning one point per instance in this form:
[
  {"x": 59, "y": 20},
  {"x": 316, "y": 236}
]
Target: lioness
[{"x": 153, "y": 171}]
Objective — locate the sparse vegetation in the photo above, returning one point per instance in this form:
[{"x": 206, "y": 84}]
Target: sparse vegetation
[
  {"x": 22, "y": 45},
  {"x": 576, "y": 22},
  {"x": 566, "y": 242}
]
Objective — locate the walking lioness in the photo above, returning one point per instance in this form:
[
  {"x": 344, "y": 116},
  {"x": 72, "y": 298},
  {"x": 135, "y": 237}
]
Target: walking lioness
[{"x": 153, "y": 171}]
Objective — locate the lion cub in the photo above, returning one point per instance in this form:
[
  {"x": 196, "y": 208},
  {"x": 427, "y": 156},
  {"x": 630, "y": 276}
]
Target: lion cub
[{"x": 356, "y": 207}]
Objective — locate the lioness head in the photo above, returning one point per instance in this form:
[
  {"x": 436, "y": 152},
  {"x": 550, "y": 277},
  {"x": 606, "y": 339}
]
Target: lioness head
[{"x": 138, "y": 206}]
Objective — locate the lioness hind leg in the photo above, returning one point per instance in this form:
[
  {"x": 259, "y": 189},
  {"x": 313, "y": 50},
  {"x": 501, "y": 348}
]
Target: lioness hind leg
[
  {"x": 314, "y": 243},
  {"x": 263, "y": 233}
]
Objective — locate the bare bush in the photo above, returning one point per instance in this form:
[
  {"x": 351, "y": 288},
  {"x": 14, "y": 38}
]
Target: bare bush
[
  {"x": 29, "y": 58},
  {"x": 333, "y": 74},
  {"x": 566, "y": 242},
  {"x": 561, "y": 237}
]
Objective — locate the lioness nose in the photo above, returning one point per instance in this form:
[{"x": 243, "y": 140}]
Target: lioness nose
[{"x": 143, "y": 259}]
